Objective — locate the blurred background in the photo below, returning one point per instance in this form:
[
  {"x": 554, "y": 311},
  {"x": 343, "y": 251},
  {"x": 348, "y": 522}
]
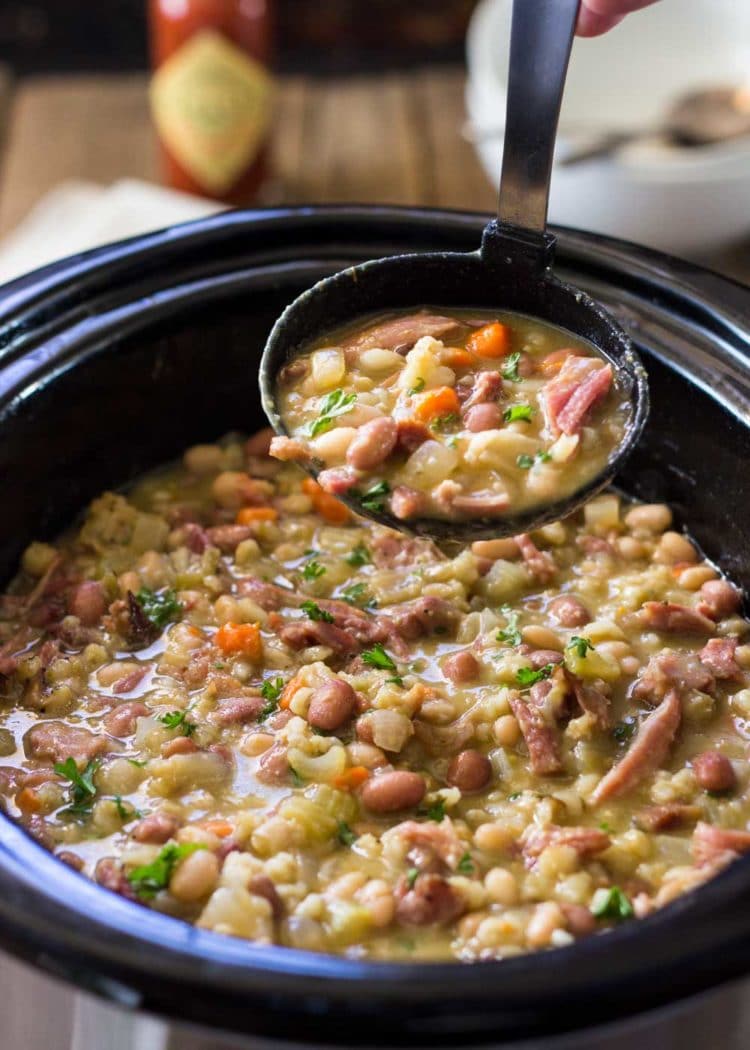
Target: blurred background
[{"x": 129, "y": 115}]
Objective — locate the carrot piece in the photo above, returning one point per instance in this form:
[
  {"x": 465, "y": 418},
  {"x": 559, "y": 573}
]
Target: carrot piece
[
  {"x": 551, "y": 364},
  {"x": 247, "y": 515},
  {"x": 493, "y": 340},
  {"x": 28, "y": 800},
  {"x": 330, "y": 509},
  {"x": 351, "y": 778},
  {"x": 311, "y": 487},
  {"x": 457, "y": 357},
  {"x": 435, "y": 404},
  {"x": 288, "y": 692},
  {"x": 241, "y": 638},
  {"x": 221, "y": 828}
]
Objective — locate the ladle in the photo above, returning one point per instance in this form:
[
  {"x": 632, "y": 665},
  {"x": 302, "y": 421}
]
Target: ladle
[{"x": 511, "y": 271}]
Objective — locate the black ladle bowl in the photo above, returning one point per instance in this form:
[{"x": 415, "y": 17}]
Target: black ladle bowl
[{"x": 512, "y": 271}]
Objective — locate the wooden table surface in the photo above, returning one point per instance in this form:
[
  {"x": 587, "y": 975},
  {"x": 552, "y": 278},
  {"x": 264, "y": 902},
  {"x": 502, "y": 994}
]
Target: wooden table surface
[{"x": 394, "y": 138}]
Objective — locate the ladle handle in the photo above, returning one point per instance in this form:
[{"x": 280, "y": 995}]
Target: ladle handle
[{"x": 540, "y": 42}]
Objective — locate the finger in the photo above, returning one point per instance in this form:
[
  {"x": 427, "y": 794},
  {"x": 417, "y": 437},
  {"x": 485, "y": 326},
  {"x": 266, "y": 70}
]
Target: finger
[
  {"x": 615, "y": 8},
  {"x": 591, "y": 24}
]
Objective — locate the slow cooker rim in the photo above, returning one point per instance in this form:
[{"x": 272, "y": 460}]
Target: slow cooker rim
[{"x": 431, "y": 979}]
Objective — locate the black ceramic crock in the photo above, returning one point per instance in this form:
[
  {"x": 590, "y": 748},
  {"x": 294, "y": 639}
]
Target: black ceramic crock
[{"x": 116, "y": 360}]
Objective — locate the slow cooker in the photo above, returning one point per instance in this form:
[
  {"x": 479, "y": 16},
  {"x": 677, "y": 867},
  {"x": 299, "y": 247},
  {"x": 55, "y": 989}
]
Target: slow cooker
[{"x": 112, "y": 362}]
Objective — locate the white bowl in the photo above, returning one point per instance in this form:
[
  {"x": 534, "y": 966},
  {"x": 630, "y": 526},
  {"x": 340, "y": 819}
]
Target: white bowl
[{"x": 685, "y": 201}]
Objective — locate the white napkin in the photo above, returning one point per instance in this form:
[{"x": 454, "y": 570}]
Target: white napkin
[{"x": 78, "y": 215}]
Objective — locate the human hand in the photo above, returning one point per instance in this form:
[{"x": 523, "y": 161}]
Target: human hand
[{"x": 597, "y": 16}]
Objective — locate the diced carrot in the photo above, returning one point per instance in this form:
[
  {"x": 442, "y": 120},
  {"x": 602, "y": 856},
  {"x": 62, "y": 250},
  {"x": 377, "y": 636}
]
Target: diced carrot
[
  {"x": 275, "y": 620},
  {"x": 436, "y": 404},
  {"x": 551, "y": 364},
  {"x": 679, "y": 567},
  {"x": 241, "y": 638},
  {"x": 288, "y": 692},
  {"x": 351, "y": 778},
  {"x": 457, "y": 357},
  {"x": 330, "y": 509},
  {"x": 493, "y": 340},
  {"x": 221, "y": 828},
  {"x": 28, "y": 800},
  {"x": 248, "y": 515}
]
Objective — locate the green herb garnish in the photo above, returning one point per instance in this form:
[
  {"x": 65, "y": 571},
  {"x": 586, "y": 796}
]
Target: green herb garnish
[
  {"x": 345, "y": 834},
  {"x": 435, "y": 811},
  {"x": 611, "y": 904},
  {"x": 160, "y": 608},
  {"x": 375, "y": 497},
  {"x": 543, "y": 456},
  {"x": 357, "y": 594},
  {"x": 359, "y": 556},
  {"x": 82, "y": 792},
  {"x": 378, "y": 657},
  {"x": 178, "y": 720},
  {"x": 623, "y": 731},
  {"x": 527, "y": 676},
  {"x": 524, "y": 461},
  {"x": 580, "y": 646},
  {"x": 510, "y": 371},
  {"x": 125, "y": 810},
  {"x": 337, "y": 403},
  {"x": 271, "y": 690},
  {"x": 297, "y": 780},
  {"x": 411, "y": 877},
  {"x": 466, "y": 865},
  {"x": 313, "y": 570},
  {"x": 509, "y": 634},
  {"x": 518, "y": 413},
  {"x": 443, "y": 422},
  {"x": 315, "y": 612},
  {"x": 396, "y": 680},
  {"x": 148, "y": 879},
  {"x": 417, "y": 388},
  {"x": 514, "y": 797}
]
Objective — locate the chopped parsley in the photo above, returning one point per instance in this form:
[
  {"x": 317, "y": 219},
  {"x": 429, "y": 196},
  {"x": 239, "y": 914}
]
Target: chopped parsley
[
  {"x": 271, "y": 690},
  {"x": 604, "y": 826},
  {"x": 345, "y": 834},
  {"x": 396, "y": 680},
  {"x": 443, "y": 422},
  {"x": 524, "y": 461},
  {"x": 435, "y": 811},
  {"x": 357, "y": 594},
  {"x": 313, "y": 570},
  {"x": 509, "y": 634},
  {"x": 125, "y": 810},
  {"x": 159, "y": 608},
  {"x": 527, "y": 676},
  {"x": 359, "y": 556},
  {"x": 518, "y": 414},
  {"x": 623, "y": 731},
  {"x": 148, "y": 879},
  {"x": 297, "y": 780},
  {"x": 417, "y": 388},
  {"x": 515, "y": 796},
  {"x": 375, "y": 497},
  {"x": 378, "y": 657},
  {"x": 580, "y": 646},
  {"x": 178, "y": 720},
  {"x": 315, "y": 612},
  {"x": 337, "y": 403},
  {"x": 611, "y": 904},
  {"x": 543, "y": 456},
  {"x": 510, "y": 371},
  {"x": 466, "y": 865},
  {"x": 411, "y": 877},
  {"x": 83, "y": 791}
]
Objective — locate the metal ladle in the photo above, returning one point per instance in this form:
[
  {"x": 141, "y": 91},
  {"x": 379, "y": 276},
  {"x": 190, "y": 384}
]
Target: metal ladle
[{"x": 512, "y": 271}]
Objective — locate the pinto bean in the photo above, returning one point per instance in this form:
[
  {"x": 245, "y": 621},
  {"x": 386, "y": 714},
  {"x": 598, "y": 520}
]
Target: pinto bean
[
  {"x": 235, "y": 710},
  {"x": 373, "y": 444},
  {"x": 486, "y": 416},
  {"x": 431, "y": 901},
  {"x": 568, "y": 611},
  {"x": 262, "y": 886},
  {"x": 393, "y": 791},
  {"x": 156, "y": 828},
  {"x": 181, "y": 745},
  {"x": 578, "y": 920},
  {"x": 718, "y": 598},
  {"x": 332, "y": 705},
  {"x": 273, "y": 767},
  {"x": 470, "y": 771},
  {"x": 71, "y": 859},
  {"x": 714, "y": 771},
  {"x": 88, "y": 603},
  {"x": 228, "y": 537},
  {"x": 406, "y": 502},
  {"x": 121, "y": 720},
  {"x": 542, "y": 657},
  {"x": 461, "y": 667}
]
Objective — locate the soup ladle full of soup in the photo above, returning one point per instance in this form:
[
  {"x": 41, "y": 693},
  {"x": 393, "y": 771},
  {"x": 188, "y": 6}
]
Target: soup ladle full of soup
[{"x": 464, "y": 396}]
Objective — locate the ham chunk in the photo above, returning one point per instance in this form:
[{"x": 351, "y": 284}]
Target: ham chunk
[
  {"x": 430, "y": 902},
  {"x": 672, "y": 670},
  {"x": 668, "y": 816},
  {"x": 410, "y": 434},
  {"x": 486, "y": 387},
  {"x": 121, "y": 720},
  {"x": 421, "y": 617},
  {"x": 540, "y": 564},
  {"x": 236, "y": 710},
  {"x": 711, "y": 843},
  {"x": 305, "y": 633},
  {"x": 56, "y": 741},
  {"x": 718, "y": 656},
  {"x": 401, "y": 333},
  {"x": 718, "y": 598},
  {"x": 540, "y": 733},
  {"x": 568, "y": 398},
  {"x": 391, "y": 550},
  {"x": 587, "y": 842},
  {"x": 268, "y": 596},
  {"x": 289, "y": 449},
  {"x": 592, "y": 700},
  {"x": 674, "y": 619},
  {"x": 647, "y": 752},
  {"x": 338, "y": 480}
]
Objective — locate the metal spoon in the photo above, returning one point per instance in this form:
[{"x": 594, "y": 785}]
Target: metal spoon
[{"x": 511, "y": 271}]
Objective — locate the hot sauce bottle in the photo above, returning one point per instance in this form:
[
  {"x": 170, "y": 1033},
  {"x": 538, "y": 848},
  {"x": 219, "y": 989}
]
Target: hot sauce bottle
[{"x": 211, "y": 94}]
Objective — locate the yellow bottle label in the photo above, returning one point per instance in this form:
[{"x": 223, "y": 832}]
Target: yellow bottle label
[{"x": 211, "y": 104}]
